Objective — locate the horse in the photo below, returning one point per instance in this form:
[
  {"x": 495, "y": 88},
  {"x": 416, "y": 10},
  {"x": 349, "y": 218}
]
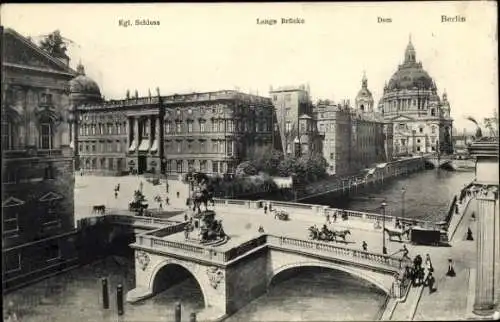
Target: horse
[
  {"x": 99, "y": 209},
  {"x": 202, "y": 197},
  {"x": 342, "y": 234},
  {"x": 396, "y": 233}
]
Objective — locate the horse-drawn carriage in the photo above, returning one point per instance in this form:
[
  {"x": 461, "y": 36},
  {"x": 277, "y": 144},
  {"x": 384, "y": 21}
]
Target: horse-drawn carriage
[
  {"x": 281, "y": 215},
  {"x": 326, "y": 234}
]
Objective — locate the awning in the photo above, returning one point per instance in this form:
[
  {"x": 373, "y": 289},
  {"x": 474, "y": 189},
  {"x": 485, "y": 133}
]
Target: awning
[
  {"x": 371, "y": 171},
  {"x": 133, "y": 146},
  {"x": 144, "y": 146},
  {"x": 154, "y": 147},
  {"x": 381, "y": 165}
]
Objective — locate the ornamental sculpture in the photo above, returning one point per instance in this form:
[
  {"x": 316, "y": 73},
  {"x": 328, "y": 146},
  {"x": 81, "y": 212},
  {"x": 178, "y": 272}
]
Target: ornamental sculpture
[
  {"x": 142, "y": 259},
  {"x": 215, "y": 276}
]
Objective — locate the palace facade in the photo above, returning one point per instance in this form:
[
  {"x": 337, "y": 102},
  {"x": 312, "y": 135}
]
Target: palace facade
[
  {"x": 37, "y": 164},
  {"x": 421, "y": 119},
  {"x": 210, "y": 132},
  {"x": 353, "y": 138}
]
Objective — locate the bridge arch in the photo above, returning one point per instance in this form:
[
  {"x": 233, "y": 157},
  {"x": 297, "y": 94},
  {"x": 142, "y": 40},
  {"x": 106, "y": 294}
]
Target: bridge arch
[
  {"x": 350, "y": 270},
  {"x": 168, "y": 264}
]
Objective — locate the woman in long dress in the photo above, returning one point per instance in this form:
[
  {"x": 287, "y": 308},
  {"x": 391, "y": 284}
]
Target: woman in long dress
[{"x": 428, "y": 264}]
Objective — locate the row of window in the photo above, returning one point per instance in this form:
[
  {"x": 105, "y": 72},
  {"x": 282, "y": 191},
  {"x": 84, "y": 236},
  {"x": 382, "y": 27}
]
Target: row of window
[
  {"x": 217, "y": 166},
  {"x": 47, "y": 214},
  {"x": 19, "y": 175},
  {"x": 13, "y": 259},
  {"x": 404, "y": 126},
  {"x": 101, "y": 129},
  {"x": 216, "y": 125},
  {"x": 101, "y": 147},
  {"x": 202, "y": 146},
  {"x": 104, "y": 163},
  {"x": 14, "y": 136}
]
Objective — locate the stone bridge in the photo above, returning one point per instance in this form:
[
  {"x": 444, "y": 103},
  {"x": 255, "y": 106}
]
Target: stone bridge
[
  {"x": 231, "y": 278},
  {"x": 439, "y": 162}
]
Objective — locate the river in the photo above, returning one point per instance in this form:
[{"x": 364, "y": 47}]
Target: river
[{"x": 307, "y": 295}]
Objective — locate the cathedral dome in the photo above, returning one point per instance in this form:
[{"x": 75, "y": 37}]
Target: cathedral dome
[
  {"x": 84, "y": 85},
  {"x": 410, "y": 75}
]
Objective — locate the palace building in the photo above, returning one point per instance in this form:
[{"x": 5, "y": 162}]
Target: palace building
[
  {"x": 353, "y": 138},
  {"x": 209, "y": 132},
  {"x": 421, "y": 119},
  {"x": 37, "y": 164}
]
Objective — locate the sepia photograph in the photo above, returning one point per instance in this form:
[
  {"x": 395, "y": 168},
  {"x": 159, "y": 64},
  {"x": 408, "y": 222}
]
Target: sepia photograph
[{"x": 250, "y": 162}]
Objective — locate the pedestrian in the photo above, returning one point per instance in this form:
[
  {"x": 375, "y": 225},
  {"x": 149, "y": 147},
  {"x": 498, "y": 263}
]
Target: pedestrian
[
  {"x": 451, "y": 269},
  {"x": 430, "y": 282},
  {"x": 469, "y": 234},
  {"x": 405, "y": 252},
  {"x": 116, "y": 194},
  {"x": 265, "y": 209},
  {"x": 140, "y": 186},
  {"x": 328, "y": 218},
  {"x": 397, "y": 224},
  {"x": 178, "y": 194},
  {"x": 365, "y": 246},
  {"x": 473, "y": 216},
  {"x": 335, "y": 217},
  {"x": 167, "y": 186},
  {"x": 428, "y": 264},
  {"x": 376, "y": 225},
  {"x": 167, "y": 201},
  {"x": 186, "y": 232},
  {"x": 118, "y": 187},
  {"x": 186, "y": 217},
  {"x": 261, "y": 229},
  {"x": 81, "y": 172},
  {"x": 161, "y": 206}
]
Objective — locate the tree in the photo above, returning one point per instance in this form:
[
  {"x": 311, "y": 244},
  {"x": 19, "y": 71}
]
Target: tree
[
  {"x": 246, "y": 168},
  {"x": 54, "y": 44}
]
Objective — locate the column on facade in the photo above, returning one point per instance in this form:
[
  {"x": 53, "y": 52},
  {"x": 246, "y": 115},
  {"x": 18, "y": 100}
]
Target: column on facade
[
  {"x": 129, "y": 133},
  {"x": 151, "y": 131},
  {"x": 136, "y": 131},
  {"x": 485, "y": 297}
]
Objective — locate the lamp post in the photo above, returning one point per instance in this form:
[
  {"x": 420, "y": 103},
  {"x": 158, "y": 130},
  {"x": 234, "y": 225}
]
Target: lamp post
[
  {"x": 403, "y": 191},
  {"x": 382, "y": 206}
]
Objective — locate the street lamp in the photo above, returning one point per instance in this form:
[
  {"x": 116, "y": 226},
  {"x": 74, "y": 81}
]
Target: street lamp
[
  {"x": 384, "y": 249},
  {"x": 403, "y": 191}
]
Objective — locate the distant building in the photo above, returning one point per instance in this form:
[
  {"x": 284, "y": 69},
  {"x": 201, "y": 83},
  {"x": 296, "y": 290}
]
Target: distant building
[
  {"x": 461, "y": 142},
  {"x": 421, "y": 120},
  {"x": 209, "y": 132},
  {"x": 351, "y": 141},
  {"x": 37, "y": 162},
  {"x": 294, "y": 120}
]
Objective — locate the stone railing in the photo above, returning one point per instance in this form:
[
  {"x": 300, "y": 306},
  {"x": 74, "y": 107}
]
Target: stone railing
[
  {"x": 131, "y": 220},
  {"x": 245, "y": 248},
  {"x": 307, "y": 245},
  {"x": 318, "y": 210},
  {"x": 180, "y": 248}
]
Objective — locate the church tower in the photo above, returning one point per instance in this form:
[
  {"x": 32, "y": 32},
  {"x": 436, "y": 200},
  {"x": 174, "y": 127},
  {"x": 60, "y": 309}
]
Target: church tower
[{"x": 364, "y": 99}]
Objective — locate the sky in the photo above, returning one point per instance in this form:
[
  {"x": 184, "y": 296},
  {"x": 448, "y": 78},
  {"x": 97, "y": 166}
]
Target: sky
[{"x": 205, "y": 47}]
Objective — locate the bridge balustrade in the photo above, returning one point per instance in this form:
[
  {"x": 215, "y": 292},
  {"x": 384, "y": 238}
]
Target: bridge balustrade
[
  {"x": 244, "y": 248},
  {"x": 392, "y": 262}
]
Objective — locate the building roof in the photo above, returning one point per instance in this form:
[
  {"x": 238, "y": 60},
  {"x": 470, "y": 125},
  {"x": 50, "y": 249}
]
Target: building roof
[
  {"x": 36, "y": 58},
  {"x": 410, "y": 75}
]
